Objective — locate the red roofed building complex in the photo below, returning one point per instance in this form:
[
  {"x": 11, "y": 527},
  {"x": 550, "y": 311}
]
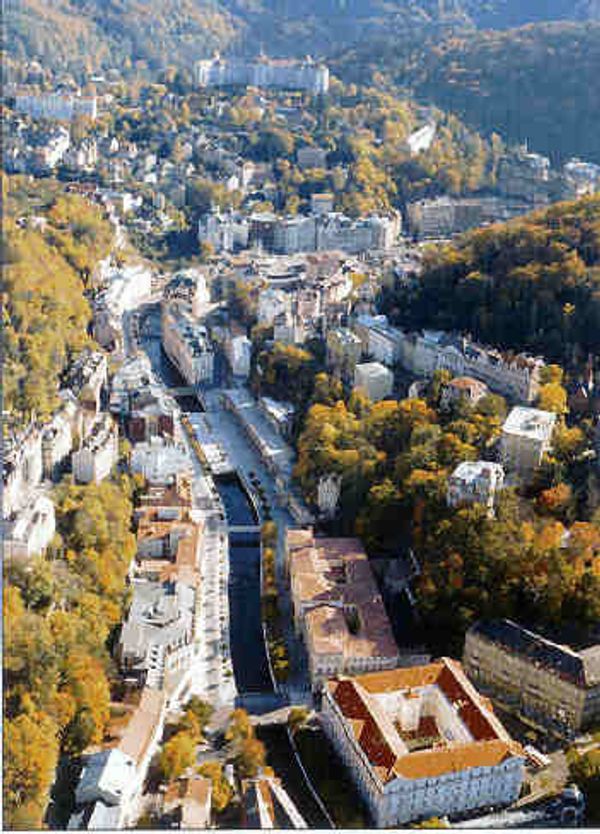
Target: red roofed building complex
[
  {"x": 421, "y": 742},
  {"x": 338, "y": 608}
]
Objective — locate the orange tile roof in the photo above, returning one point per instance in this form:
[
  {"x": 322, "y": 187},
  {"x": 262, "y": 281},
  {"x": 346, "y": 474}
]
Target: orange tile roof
[{"x": 385, "y": 749}]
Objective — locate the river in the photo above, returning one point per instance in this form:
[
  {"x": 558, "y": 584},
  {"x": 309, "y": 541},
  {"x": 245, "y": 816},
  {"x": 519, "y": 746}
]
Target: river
[{"x": 250, "y": 665}]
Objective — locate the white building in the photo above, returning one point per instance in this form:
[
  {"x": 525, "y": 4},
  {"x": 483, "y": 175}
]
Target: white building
[
  {"x": 127, "y": 287},
  {"x": 382, "y": 342},
  {"x": 159, "y": 460},
  {"x": 98, "y": 453},
  {"x": 64, "y": 107},
  {"x": 374, "y": 379},
  {"x": 421, "y": 140},
  {"x": 54, "y": 148},
  {"x": 271, "y": 304},
  {"x": 32, "y": 529},
  {"x": 421, "y": 742},
  {"x": 187, "y": 344},
  {"x": 328, "y": 494},
  {"x": 239, "y": 354},
  {"x": 526, "y": 437},
  {"x": 57, "y": 438},
  {"x": 263, "y": 72},
  {"x": 475, "y": 482},
  {"x": 22, "y": 468},
  {"x": 190, "y": 286}
]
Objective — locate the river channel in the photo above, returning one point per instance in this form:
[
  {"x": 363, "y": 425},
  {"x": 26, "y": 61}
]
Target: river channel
[{"x": 250, "y": 665}]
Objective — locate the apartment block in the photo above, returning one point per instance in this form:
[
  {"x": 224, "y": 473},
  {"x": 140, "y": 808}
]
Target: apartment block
[
  {"x": 526, "y": 437},
  {"x": 553, "y": 684}
]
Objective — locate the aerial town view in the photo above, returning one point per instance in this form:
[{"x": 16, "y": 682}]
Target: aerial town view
[{"x": 301, "y": 414}]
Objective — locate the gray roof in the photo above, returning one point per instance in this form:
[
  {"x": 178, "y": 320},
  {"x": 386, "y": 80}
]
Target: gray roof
[{"x": 581, "y": 668}]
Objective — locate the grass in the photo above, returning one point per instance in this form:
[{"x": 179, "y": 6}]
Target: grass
[{"x": 331, "y": 779}]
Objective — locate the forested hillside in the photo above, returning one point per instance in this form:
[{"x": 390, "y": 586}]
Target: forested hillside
[
  {"x": 92, "y": 34},
  {"x": 59, "y": 611},
  {"x": 51, "y": 243},
  {"x": 536, "y": 83},
  {"x": 531, "y": 284}
]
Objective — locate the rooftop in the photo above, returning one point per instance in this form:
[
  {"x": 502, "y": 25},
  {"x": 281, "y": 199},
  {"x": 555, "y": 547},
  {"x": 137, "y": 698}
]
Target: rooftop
[
  {"x": 421, "y": 722},
  {"x": 530, "y": 422},
  {"x": 581, "y": 668},
  {"x": 471, "y": 470}
]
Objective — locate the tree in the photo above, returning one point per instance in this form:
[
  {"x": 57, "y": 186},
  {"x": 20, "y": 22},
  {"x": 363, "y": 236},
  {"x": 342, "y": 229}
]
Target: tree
[
  {"x": 584, "y": 770},
  {"x": 177, "y": 754},
  {"x": 250, "y": 756},
  {"x": 297, "y": 718},
  {"x": 30, "y": 759},
  {"x": 239, "y": 727},
  {"x": 552, "y": 397},
  {"x": 222, "y": 792}
]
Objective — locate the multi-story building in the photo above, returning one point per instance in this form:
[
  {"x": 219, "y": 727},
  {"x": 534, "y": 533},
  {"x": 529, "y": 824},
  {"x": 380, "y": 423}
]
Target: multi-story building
[
  {"x": 473, "y": 482},
  {"x": 344, "y": 350},
  {"x": 443, "y": 217},
  {"x": 337, "y": 607},
  {"x": 524, "y": 174},
  {"x": 550, "y": 683},
  {"x": 382, "y": 342},
  {"x": 263, "y": 72},
  {"x": 31, "y": 530},
  {"x": 98, "y": 453},
  {"x": 526, "y": 437},
  {"x": 22, "y": 468},
  {"x": 374, "y": 379},
  {"x": 87, "y": 377},
  {"x": 58, "y": 436},
  {"x": 239, "y": 353},
  {"x": 60, "y": 106},
  {"x": 187, "y": 344},
  {"x": 189, "y": 286},
  {"x": 311, "y": 157},
  {"x": 142, "y": 405},
  {"x": 580, "y": 179},
  {"x": 159, "y": 460},
  {"x": 421, "y": 742}
]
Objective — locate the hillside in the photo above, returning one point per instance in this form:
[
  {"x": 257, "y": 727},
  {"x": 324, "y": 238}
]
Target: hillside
[
  {"x": 531, "y": 284},
  {"x": 79, "y": 34},
  {"x": 535, "y": 83}
]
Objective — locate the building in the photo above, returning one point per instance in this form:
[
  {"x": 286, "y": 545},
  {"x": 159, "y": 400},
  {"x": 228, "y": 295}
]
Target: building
[
  {"x": 443, "y": 217},
  {"x": 160, "y": 460},
  {"x": 110, "y": 786},
  {"x": 374, "y": 379},
  {"x": 337, "y": 607},
  {"x": 31, "y": 530},
  {"x": 141, "y": 403},
  {"x": 580, "y": 179},
  {"x": 463, "y": 389},
  {"x": 279, "y": 414},
  {"x": 60, "y": 106},
  {"x": 239, "y": 353},
  {"x": 267, "y": 805},
  {"x": 525, "y": 175},
  {"x": 550, "y": 683},
  {"x": 421, "y": 140},
  {"x": 321, "y": 202},
  {"x": 21, "y": 468},
  {"x": 379, "y": 340},
  {"x": 187, "y": 344},
  {"x": 475, "y": 482},
  {"x": 329, "y": 490},
  {"x": 311, "y": 157},
  {"x": 187, "y": 804},
  {"x": 421, "y": 742},
  {"x": 526, "y": 437},
  {"x": 57, "y": 436},
  {"x": 98, "y": 453},
  {"x": 263, "y": 72},
  {"x": 323, "y": 230},
  {"x": 344, "y": 349},
  {"x": 87, "y": 377},
  {"x": 189, "y": 286}
]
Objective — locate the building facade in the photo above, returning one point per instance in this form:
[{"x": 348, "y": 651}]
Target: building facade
[
  {"x": 526, "y": 437},
  {"x": 98, "y": 453},
  {"x": 475, "y": 482},
  {"x": 551, "y": 683},
  {"x": 421, "y": 743}
]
